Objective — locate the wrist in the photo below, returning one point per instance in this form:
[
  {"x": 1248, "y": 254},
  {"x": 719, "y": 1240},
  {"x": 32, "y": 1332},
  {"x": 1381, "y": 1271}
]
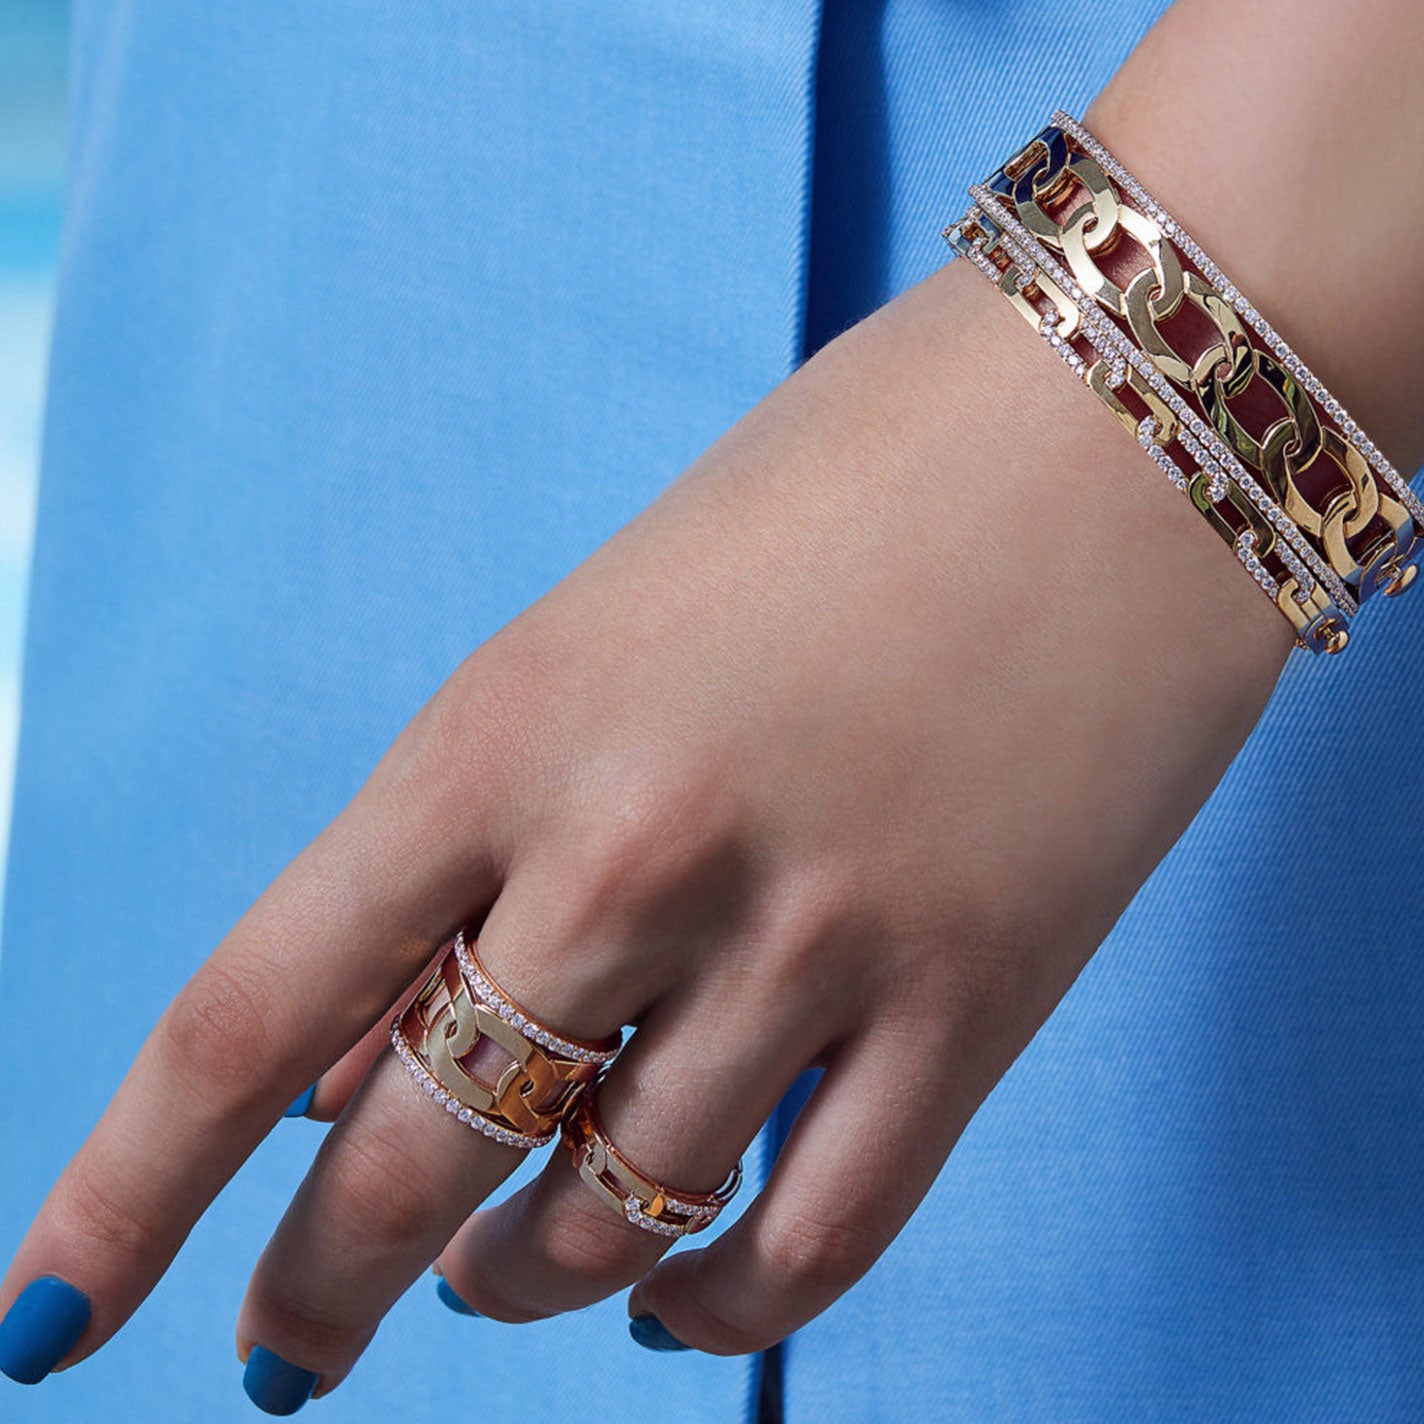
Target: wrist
[
  {"x": 1054, "y": 452},
  {"x": 1261, "y": 135}
]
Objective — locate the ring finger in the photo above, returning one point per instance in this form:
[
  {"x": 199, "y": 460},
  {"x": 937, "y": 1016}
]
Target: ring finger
[{"x": 682, "y": 1103}]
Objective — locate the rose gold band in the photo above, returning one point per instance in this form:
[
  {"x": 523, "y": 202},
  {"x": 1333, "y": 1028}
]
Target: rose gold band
[{"x": 486, "y": 1059}]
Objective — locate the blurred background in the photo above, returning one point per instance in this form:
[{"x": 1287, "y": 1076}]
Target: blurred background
[{"x": 33, "y": 37}]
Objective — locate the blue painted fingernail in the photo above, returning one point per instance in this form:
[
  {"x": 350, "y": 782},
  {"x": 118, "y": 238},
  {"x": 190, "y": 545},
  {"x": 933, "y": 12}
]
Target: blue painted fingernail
[
  {"x": 299, "y": 1108},
  {"x": 273, "y": 1385},
  {"x": 446, "y": 1292},
  {"x": 41, "y": 1328},
  {"x": 652, "y": 1334}
]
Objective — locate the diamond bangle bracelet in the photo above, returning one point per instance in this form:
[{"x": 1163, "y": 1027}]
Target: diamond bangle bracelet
[
  {"x": 1297, "y": 368},
  {"x": 1311, "y": 507},
  {"x": 987, "y": 236}
]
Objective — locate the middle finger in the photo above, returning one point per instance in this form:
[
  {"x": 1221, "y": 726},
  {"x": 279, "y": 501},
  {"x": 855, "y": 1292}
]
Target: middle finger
[{"x": 393, "y": 1180}]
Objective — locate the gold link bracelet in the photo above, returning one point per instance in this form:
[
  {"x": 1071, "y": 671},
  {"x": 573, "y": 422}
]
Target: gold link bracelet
[
  {"x": 1335, "y": 482},
  {"x": 1252, "y": 525},
  {"x": 1329, "y": 521}
]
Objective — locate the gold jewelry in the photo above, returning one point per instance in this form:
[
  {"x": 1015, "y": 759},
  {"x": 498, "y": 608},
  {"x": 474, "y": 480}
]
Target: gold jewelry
[
  {"x": 1329, "y": 522},
  {"x": 640, "y": 1198},
  {"x": 487, "y": 1060},
  {"x": 1282, "y": 562},
  {"x": 1315, "y": 427}
]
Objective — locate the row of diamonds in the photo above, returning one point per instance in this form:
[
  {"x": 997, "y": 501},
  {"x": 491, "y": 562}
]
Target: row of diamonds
[
  {"x": 1246, "y": 552},
  {"x": 452, "y": 1104},
  {"x": 1107, "y": 331},
  {"x": 1048, "y": 329},
  {"x": 1021, "y": 260},
  {"x": 1301, "y": 574},
  {"x": 483, "y": 989},
  {"x": 1148, "y": 433},
  {"x": 1147, "y": 429},
  {"x": 1218, "y": 485},
  {"x": 703, "y": 1211},
  {"x": 633, "y": 1210},
  {"x": 1302, "y": 373}
]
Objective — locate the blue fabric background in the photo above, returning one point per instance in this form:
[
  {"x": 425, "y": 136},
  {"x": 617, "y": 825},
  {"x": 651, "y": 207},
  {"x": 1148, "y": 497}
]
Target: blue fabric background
[
  {"x": 1197, "y": 1195},
  {"x": 374, "y": 320}
]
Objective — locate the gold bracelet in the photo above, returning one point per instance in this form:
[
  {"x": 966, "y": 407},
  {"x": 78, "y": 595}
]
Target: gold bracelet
[
  {"x": 1332, "y": 481},
  {"x": 1388, "y": 570},
  {"x": 1330, "y": 521},
  {"x": 1267, "y": 545}
]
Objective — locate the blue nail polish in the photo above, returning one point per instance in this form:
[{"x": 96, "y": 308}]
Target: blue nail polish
[
  {"x": 299, "y": 1108},
  {"x": 652, "y": 1334},
  {"x": 446, "y": 1292},
  {"x": 273, "y": 1385},
  {"x": 41, "y": 1327}
]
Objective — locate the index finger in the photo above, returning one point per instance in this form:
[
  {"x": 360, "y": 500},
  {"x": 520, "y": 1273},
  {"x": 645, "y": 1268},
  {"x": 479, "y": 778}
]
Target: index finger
[{"x": 323, "y": 952}]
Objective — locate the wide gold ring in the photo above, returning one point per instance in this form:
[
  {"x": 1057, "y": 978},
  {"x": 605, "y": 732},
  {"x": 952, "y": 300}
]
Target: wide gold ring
[
  {"x": 640, "y": 1198},
  {"x": 486, "y": 1059}
]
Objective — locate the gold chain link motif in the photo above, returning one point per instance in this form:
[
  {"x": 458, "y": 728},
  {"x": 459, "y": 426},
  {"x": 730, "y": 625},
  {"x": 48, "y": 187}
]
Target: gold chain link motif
[
  {"x": 1366, "y": 527},
  {"x": 1234, "y": 504},
  {"x": 527, "y": 1091},
  {"x": 1343, "y": 422},
  {"x": 485, "y": 1061},
  {"x": 1271, "y": 459}
]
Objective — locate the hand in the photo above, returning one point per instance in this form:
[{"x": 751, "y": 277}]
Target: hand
[{"x": 847, "y": 751}]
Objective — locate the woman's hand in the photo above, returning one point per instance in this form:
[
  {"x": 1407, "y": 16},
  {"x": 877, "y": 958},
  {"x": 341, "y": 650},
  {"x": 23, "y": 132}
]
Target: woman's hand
[{"x": 848, "y": 751}]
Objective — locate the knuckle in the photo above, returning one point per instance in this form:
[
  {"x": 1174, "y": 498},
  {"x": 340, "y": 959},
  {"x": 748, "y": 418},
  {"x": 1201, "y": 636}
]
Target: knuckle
[
  {"x": 639, "y": 831},
  {"x": 291, "y": 1319},
  {"x": 580, "y": 1255},
  {"x": 493, "y": 1298},
  {"x": 376, "y": 1192},
  {"x": 99, "y": 1211},
  {"x": 484, "y": 717},
  {"x": 813, "y": 1254},
  {"x": 218, "y": 1026},
  {"x": 709, "y": 1328},
  {"x": 480, "y": 734},
  {"x": 593, "y": 1245},
  {"x": 602, "y": 880},
  {"x": 819, "y": 919}
]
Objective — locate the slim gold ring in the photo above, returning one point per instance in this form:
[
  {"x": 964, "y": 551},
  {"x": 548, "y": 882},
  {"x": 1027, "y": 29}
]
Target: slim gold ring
[{"x": 640, "y": 1198}]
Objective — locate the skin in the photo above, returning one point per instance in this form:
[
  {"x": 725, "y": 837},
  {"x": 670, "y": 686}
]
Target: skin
[{"x": 849, "y": 750}]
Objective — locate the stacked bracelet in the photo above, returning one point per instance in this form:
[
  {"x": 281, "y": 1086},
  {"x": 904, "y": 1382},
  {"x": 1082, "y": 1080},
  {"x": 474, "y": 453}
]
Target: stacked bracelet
[{"x": 1309, "y": 505}]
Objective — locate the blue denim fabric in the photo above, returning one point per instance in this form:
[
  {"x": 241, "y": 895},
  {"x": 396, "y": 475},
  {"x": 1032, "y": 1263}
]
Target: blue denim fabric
[{"x": 374, "y": 321}]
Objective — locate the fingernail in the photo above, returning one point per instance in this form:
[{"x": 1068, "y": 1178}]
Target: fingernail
[
  {"x": 299, "y": 1108},
  {"x": 652, "y": 1334},
  {"x": 273, "y": 1385},
  {"x": 446, "y": 1292},
  {"x": 41, "y": 1328}
]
